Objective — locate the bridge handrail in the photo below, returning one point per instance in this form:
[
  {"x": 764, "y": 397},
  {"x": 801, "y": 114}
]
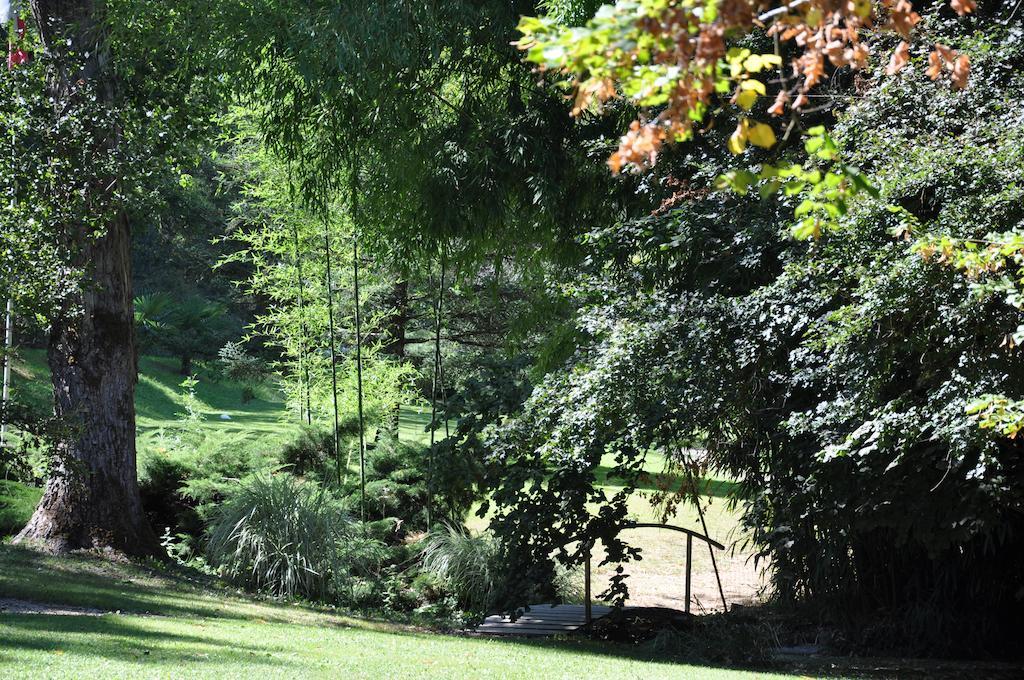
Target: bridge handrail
[
  {"x": 690, "y": 535},
  {"x": 672, "y": 527},
  {"x": 654, "y": 525}
]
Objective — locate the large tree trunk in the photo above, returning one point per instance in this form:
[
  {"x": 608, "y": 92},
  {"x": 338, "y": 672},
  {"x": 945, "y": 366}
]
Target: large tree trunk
[{"x": 92, "y": 498}]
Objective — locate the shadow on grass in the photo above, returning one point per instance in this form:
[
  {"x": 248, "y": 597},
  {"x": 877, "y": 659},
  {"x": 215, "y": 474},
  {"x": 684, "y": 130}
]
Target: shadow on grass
[
  {"x": 656, "y": 481},
  {"x": 88, "y": 581},
  {"x": 159, "y": 380},
  {"x": 598, "y": 650},
  {"x": 121, "y": 638},
  {"x": 93, "y": 582},
  {"x": 149, "y": 643}
]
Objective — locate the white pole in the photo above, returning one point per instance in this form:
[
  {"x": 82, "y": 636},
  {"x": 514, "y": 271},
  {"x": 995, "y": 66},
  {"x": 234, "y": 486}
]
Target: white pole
[
  {"x": 8, "y": 345},
  {"x": 8, "y": 11}
]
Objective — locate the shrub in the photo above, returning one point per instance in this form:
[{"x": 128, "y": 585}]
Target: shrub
[
  {"x": 214, "y": 469},
  {"x": 396, "y": 482},
  {"x": 161, "y": 478},
  {"x": 465, "y": 563},
  {"x": 279, "y": 535},
  {"x": 310, "y": 452},
  {"x": 242, "y": 367},
  {"x": 182, "y": 484}
]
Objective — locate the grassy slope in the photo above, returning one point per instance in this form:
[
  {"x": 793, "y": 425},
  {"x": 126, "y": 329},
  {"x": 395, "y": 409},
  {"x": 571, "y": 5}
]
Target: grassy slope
[
  {"x": 263, "y": 422},
  {"x": 17, "y": 501},
  {"x": 207, "y": 632},
  {"x": 158, "y": 401},
  {"x": 159, "y": 405}
]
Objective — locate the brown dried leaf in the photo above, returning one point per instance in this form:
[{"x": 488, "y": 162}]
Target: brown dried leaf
[
  {"x": 934, "y": 66},
  {"x": 961, "y": 72},
  {"x": 900, "y": 58},
  {"x": 778, "y": 107},
  {"x": 963, "y": 7}
]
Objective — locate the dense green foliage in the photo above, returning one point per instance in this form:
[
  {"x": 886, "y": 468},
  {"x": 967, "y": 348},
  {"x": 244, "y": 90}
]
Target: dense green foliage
[
  {"x": 834, "y": 379},
  {"x": 17, "y": 501},
  {"x": 394, "y": 211}
]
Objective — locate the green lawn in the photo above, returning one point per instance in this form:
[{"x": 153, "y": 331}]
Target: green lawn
[
  {"x": 413, "y": 421},
  {"x": 171, "y": 627},
  {"x": 159, "y": 405}
]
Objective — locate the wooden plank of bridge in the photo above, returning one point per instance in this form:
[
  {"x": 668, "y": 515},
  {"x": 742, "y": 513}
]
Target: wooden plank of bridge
[{"x": 542, "y": 620}]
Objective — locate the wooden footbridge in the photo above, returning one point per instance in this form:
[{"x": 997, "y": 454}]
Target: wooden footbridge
[{"x": 541, "y": 620}]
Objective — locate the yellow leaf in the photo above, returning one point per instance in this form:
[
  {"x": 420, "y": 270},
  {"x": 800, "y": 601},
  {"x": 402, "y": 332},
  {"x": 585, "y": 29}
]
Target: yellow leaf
[
  {"x": 754, "y": 86},
  {"x": 738, "y": 140},
  {"x": 753, "y": 63},
  {"x": 746, "y": 99},
  {"x": 762, "y": 135}
]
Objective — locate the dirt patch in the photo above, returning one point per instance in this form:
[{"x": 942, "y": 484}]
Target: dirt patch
[
  {"x": 12, "y": 606},
  {"x": 659, "y": 579}
]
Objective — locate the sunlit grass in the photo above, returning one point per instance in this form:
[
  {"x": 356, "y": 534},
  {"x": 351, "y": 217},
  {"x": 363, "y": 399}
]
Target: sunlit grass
[{"x": 196, "y": 629}]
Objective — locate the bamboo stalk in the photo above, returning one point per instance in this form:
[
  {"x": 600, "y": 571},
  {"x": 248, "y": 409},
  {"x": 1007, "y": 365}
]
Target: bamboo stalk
[
  {"x": 354, "y": 186},
  {"x": 334, "y": 363},
  {"x": 303, "y": 364}
]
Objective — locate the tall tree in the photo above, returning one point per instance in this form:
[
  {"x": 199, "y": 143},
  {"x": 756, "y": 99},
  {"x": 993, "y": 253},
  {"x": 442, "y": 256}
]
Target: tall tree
[
  {"x": 92, "y": 497},
  {"x": 126, "y": 98}
]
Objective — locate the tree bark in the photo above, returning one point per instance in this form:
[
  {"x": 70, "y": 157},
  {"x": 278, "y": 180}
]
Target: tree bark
[{"x": 91, "y": 500}]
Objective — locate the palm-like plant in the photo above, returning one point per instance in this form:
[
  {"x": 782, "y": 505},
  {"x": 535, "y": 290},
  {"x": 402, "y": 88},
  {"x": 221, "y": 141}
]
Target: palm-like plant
[
  {"x": 181, "y": 327},
  {"x": 152, "y": 313},
  {"x": 190, "y": 332}
]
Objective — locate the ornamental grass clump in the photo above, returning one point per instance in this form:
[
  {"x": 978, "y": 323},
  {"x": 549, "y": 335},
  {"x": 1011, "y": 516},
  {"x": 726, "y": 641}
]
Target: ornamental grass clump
[
  {"x": 279, "y": 535},
  {"x": 465, "y": 563}
]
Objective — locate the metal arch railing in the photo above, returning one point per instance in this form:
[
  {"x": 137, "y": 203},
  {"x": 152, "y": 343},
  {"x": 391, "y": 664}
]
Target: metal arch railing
[{"x": 690, "y": 535}]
